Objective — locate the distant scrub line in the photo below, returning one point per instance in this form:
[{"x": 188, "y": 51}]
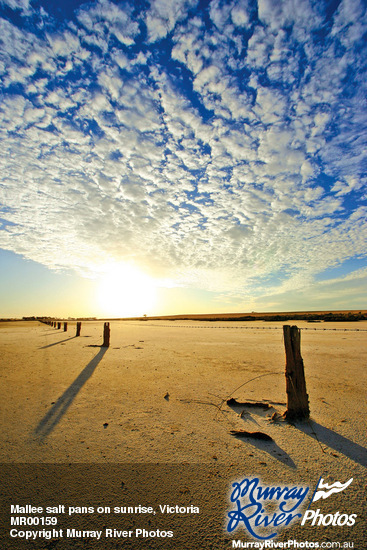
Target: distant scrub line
[
  {"x": 331, "y": 317},
  {"x": 310, "y": 317}
]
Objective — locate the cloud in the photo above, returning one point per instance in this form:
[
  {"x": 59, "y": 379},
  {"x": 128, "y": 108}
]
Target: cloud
[
  {"x": 229, "y": 156},
  {"x": 163, "y": 16},
  {"x": 22, "y": 5},
  {"x": 104, "y": 18}
]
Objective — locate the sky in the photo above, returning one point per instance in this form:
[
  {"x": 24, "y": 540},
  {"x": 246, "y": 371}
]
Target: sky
[{"x": 182, "y": 156}]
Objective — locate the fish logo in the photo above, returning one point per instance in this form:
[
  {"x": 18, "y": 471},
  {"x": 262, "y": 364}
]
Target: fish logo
[{"x": 324, "y": 490}]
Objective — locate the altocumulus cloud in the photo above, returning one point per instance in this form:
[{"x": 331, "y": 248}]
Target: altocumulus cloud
[{"x": 219, "y": 143}]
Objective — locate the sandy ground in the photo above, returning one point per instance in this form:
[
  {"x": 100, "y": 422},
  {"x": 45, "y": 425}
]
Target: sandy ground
[
  {"x": 158, "y": 395},
  {"x": 65, "y": 398}
]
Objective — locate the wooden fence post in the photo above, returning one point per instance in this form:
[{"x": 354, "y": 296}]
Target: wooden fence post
[
  {"x": 106, "y": 335},
  {"x": 58, "y": 326},
  {"x": 78, "y": 328},
  {"x": 65, "y": 327},
  {"x": 297, "y": 398}
]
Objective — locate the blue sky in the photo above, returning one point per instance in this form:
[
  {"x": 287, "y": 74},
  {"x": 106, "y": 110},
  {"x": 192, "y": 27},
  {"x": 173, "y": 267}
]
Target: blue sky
[{"x": 219, "y": 147}]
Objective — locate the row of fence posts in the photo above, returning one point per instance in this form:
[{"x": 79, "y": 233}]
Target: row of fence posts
[
  {"x": 106, "y": 330},
  {"x": 297, "y": 398}
]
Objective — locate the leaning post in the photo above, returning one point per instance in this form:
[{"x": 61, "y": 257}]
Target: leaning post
[
  {"x": 106, "y": 335},
  {"x": 78, "y": 328},
  {"x": 297, "y": 398}
]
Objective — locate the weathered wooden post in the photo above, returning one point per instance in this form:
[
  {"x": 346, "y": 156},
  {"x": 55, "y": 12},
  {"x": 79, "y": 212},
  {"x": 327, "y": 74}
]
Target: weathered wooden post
[
  {"x": 106, "y": 335},
  {"x": 297, "y": 398},
  {"x": 58, "y": 326},
  {"x": 78, "y": 328},
  {"x": 65, "y": 327}
]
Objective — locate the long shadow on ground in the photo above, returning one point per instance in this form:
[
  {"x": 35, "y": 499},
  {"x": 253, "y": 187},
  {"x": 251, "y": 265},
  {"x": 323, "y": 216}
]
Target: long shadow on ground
[
  {"x": 269, "y": 447},
  {"x": 335, "y": 441},
  {"x": 273, "y": 450},
  {"x": 54, "y": 415},
  {"x": 59, "y": 342},
  {"x": 323, "y": 435}
]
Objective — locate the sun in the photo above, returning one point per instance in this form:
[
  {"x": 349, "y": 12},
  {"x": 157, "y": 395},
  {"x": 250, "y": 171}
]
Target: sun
[{"x": 126, "y": 291}]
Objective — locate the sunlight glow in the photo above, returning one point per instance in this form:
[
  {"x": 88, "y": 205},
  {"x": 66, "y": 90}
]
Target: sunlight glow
[{"x": 126, "y": 291}]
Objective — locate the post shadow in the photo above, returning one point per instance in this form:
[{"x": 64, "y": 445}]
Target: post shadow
[
  {"x": 59, "y": 342},
  {"x": 269, "y": 447},
  {"x": 57, "y": 411},
  {"x": 335, "y": 441},
  {"x": 311, "y": 428}
]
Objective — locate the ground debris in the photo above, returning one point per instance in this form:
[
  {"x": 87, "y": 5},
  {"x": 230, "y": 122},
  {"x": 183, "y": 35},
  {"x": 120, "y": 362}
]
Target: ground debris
[
  {"x": 275, "y": 417},
  {"x": 252, "y": 435},
  {"x": 234, "y": 403}
]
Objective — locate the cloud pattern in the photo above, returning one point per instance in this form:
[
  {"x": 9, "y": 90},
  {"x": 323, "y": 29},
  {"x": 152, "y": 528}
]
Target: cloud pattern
[{"x": 221, "y": 144}]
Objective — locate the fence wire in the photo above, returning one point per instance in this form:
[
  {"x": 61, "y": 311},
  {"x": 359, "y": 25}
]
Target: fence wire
[{"x": 250, "y": 328}]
